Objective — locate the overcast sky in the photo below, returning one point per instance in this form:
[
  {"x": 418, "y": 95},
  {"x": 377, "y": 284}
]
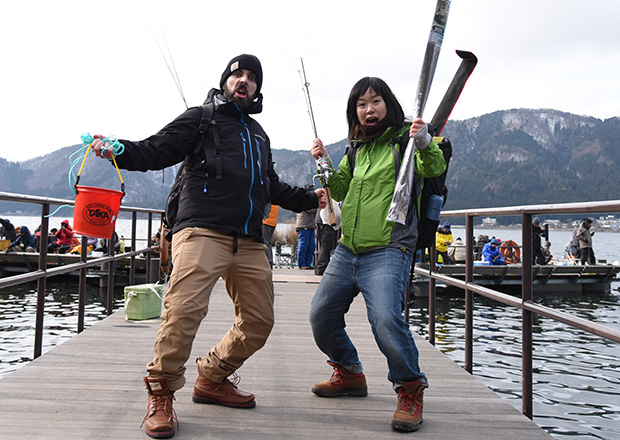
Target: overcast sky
[{"x": 70, "y": 67}]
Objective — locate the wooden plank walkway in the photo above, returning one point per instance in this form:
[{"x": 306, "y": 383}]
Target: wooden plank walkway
[{"x": 91, "y": 386}]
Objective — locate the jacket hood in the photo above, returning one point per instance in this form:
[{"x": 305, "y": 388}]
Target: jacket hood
[{"x": 24, "y": 229}]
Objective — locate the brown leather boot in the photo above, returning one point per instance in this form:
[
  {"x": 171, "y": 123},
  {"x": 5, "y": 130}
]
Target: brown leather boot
[
  {"x": 408, "y": 415},
  {"x": 160, "y": 416},
  {"x": 223, "y": 393},
  {"x": 342, "y": 383}
]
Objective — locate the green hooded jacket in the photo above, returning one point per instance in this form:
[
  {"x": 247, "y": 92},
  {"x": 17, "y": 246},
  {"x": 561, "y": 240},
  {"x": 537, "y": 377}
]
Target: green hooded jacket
[{"x": 367, "y": 195}]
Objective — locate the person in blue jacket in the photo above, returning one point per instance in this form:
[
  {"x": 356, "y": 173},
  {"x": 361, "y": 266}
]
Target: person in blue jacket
[
  {"x": 491, "y": 253},
  {"x": 23, "y": 243}
]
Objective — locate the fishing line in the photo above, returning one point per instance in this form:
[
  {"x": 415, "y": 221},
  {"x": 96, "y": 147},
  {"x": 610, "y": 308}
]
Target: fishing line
[
  {"x": 174, "y": 67},
  {"x": 173, "y": 71}
]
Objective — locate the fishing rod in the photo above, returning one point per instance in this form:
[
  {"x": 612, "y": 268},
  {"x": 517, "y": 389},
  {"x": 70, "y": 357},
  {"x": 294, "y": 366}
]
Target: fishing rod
[
  {"x": 323, "y": 164},
  {"x": 306, "y": 89},
  {"x": 173, "y": 73},
  {"x": 405, "y": 185}
]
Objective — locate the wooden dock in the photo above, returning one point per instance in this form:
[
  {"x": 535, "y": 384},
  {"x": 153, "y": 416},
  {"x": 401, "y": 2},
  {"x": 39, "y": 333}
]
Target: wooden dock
[
  {"x": 548, "y": 279},
  {"x": 91, "y": 386}
]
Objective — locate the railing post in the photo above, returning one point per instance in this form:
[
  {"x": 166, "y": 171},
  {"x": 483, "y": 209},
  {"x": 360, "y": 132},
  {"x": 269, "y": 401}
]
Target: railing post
[
  {"x": 41, "y": 282},
  {"x": 132, "y": 270},
  {"x": 526, "y": 316},
  {"x": 149, "y": 232},
  {"x": 469, "y": 296},
  {"x": 82, "y": 288},
  {"x": 111, "y": 269},
  {"x": 432, "y": 295}
]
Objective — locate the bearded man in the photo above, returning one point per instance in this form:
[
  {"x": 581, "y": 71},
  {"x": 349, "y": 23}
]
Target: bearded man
[{"x": 217, "y": 232}]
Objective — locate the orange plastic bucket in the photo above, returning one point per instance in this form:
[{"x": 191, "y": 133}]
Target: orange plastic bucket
[{"x": 95, "y": 211}]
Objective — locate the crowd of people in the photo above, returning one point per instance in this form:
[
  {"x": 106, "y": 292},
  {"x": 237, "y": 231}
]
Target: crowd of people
[
  {"x": 494, "y": 251},
  {"x": 61, "y": 240}
]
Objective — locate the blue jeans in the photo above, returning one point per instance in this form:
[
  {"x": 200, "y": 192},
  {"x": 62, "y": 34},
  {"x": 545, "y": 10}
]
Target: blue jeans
[
  {"x": 382, "y": 276},
  {"x": 306, "y": 247}
]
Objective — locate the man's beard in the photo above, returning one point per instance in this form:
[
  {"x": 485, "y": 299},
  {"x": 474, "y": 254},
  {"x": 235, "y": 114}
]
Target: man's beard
[{"x": 243, "y": 103}]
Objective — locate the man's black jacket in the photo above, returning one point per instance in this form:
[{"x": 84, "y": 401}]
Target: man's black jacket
[{"x": 234, "y": 198}]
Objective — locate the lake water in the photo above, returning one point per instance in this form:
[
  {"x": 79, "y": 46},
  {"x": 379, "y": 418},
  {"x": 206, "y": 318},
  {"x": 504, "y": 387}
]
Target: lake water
[
  {"x": 576, "y": 375},
  {"x": 18, "y": 304}
]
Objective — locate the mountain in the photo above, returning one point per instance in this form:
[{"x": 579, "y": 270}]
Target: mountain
[
  {"x": 505, "y": 158},
  {"x": 517, "y": 157}
]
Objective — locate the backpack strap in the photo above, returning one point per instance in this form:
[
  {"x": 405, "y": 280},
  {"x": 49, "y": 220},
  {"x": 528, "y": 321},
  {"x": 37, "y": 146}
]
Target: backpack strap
[
  {"x": 351, "y": 153},
  {"x": 403, "y": 140},
  {"x": 207, "y": 120}
]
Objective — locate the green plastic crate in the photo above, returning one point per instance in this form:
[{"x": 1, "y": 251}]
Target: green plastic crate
[{"x": 143, "y": 301}]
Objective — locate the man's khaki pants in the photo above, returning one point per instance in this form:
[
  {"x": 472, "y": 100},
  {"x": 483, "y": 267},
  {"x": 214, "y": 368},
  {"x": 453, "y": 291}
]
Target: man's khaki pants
[{"x": 200, "y": 257}]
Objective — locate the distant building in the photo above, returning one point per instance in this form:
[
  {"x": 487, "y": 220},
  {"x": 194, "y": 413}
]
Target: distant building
[
  {"x": 553, "y": 223},
  {"x": 489, "y": 222}
]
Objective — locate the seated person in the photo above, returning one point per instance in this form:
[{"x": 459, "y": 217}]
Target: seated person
[
  {"x": 457, "y": 251},
  {"x": 7, "y": 230},
  {"x": 546, "y": 250},
  {"x": 64, "y": 239},
  {"x": 91, "y": 242},
  {"x": 479, "y": 245},
  {"x": 102, "y": 245},
  {"x": 156, "y": 241},
  {"x": 491, "y": 253},
  {"x": 23, "y": 243}
]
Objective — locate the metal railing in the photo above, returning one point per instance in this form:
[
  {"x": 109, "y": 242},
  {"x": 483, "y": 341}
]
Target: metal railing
[
  {"x": 525, "y": 303},
  {"x": 43, "y": 272}
]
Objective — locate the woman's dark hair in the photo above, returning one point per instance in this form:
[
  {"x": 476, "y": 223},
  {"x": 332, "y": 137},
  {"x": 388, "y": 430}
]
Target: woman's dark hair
[{"x": 395, "y": 115}]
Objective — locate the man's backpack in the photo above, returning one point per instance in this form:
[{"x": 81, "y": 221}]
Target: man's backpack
[
  {"x": 172, "y": 202},
  {"x": 431, "y": 185}
]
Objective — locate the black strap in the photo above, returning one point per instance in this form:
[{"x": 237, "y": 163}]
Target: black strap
[
  {"x": 206, "y": 121},
  {"x": 218, "y": 152},
  {"x": 235, "y": 243},
  {"x": 403, "y": 140}
]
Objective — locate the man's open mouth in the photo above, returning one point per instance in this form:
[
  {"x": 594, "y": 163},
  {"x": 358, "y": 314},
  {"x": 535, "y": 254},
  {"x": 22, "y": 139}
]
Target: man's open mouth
[{"x": 242, "y": 92}]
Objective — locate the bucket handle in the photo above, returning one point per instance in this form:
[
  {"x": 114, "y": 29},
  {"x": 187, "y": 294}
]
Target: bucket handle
[{"x": 77, "y": 179}]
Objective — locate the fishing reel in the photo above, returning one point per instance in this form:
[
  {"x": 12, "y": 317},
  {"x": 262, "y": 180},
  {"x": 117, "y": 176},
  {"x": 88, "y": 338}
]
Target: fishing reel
[{"x": 324, "y": 169}]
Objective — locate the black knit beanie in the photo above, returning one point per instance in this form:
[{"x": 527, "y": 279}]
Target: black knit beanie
[{"x": 245, "y": 61}]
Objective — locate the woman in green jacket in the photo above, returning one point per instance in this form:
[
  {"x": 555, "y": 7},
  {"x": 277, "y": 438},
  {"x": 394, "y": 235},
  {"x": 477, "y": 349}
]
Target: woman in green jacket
[{"x": 374, "y": 255}]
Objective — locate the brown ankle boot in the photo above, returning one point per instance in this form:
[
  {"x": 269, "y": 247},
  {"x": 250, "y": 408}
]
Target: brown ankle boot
[
  {"x": 160, "y": 416},
  {"x": 342, "y": 383},
  {"x": 223, "y": 393},
  {"x": 408, "y": 415}
]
